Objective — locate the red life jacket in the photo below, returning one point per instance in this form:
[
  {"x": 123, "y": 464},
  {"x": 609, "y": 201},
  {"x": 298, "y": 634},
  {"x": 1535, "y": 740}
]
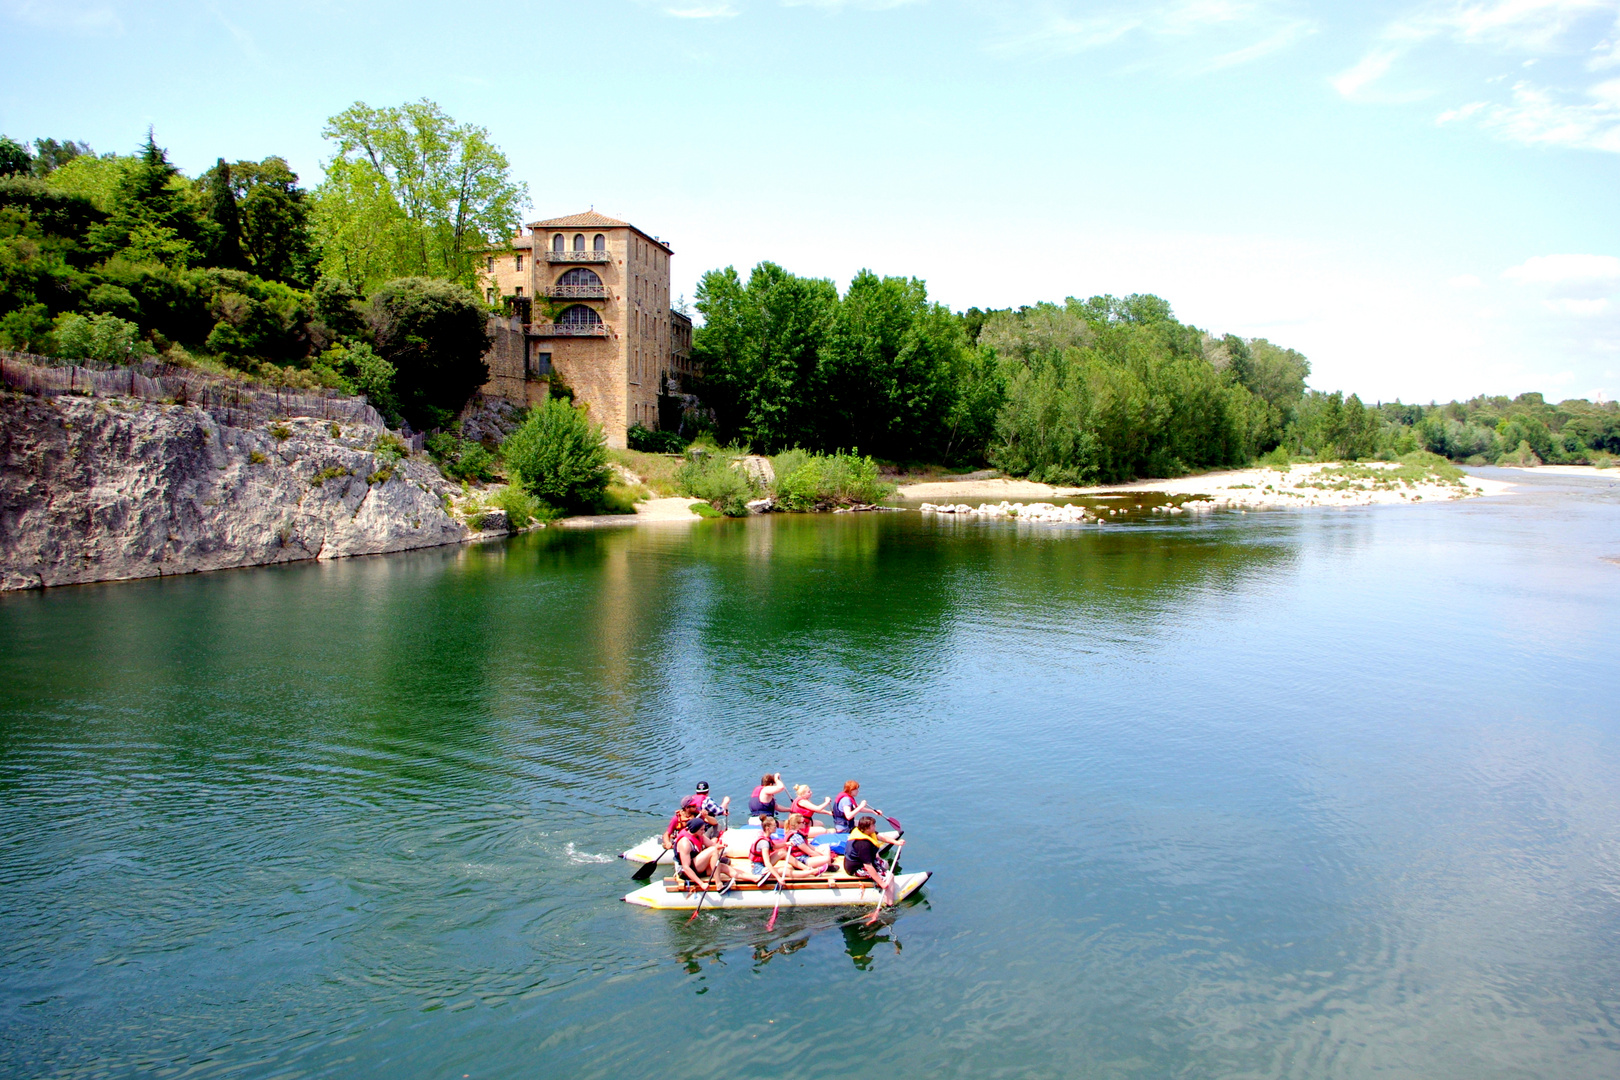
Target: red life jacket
[
  {"x": 763, "y": 857},
  {"x": 802, "y": 808}
]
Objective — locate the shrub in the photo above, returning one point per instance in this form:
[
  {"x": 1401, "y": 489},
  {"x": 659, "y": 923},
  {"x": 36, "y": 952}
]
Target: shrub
[
  {"x": 621, "y": 498},
  {"x": 831, "y": 480},
  {"x": 559, "y": 456},
  {"x": 654, "y": 442},
  {"x": 434, "y": 335},
  {"x": 712, "y": 479},
  {"x": 461, "y": 459},
  {"x": 520, "y": 506},
  {"x": 27, "y": 329},
  {"x": 331, "y": 472},
  {"x": 257, "y": 458},
  {"x": 386, "y": 445},
  {"x": 357, "y": 369},
  {"x": 99, "y": 337}
]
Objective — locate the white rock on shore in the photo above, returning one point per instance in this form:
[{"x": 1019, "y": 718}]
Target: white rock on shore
[{"x": 107, "y": 489}]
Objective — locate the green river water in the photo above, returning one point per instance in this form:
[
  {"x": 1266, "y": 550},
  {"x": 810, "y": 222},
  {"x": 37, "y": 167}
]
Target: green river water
[{"x": 1298, "y": 794}]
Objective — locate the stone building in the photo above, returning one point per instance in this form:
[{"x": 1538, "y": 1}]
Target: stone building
[{"x": 587, "y": 298}]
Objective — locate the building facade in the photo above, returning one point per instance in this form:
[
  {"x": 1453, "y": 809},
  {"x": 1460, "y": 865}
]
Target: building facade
[{"x": 587, "y": 298}]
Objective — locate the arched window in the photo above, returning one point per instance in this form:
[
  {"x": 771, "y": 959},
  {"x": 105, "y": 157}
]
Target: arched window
[
  {"x": 600, "y": 243},
  {"x": 579, "y": 241},
  {"x": 579, "y": 275},
  {"x": 557, "y": 243},
  {"x": 578, "y": 315}
]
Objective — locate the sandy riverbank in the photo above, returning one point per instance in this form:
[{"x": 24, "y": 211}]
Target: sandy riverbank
[
  {"x": 1298, "y": 485},
  {"x": 650, "y": 511}
]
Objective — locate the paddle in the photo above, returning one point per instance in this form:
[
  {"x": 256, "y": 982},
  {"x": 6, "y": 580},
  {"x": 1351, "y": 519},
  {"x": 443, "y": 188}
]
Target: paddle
[
  {"x": 726, "y": 814},
  {"x": 885, "y": 886},
  {"x": 647, "y": 869},
  {"x": 778, "y": 907}
]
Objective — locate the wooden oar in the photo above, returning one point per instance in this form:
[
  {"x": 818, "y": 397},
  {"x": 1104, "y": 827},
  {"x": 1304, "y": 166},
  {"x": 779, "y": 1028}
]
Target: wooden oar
[{"x": 884, "y": 886}]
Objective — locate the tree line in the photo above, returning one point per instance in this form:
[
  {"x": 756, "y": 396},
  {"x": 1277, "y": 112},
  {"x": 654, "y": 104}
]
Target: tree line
[{"x": 362, "y": 284}]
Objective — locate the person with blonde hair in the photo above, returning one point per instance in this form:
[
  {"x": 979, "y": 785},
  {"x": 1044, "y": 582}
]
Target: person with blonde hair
[
  {"x": 808, "y": 810},
  {"x": 803, "y": 858}
]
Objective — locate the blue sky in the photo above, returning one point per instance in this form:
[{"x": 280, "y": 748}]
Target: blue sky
[{"x": 1422, "y": 197}]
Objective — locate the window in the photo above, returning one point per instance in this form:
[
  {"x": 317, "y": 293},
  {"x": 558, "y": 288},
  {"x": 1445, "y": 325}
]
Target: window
[
  {"x": 600, "y": 243},
  {"x": 557, "y": 243},
  {"x": 489, "y": 294},
  {"x": 539, "y": 362},
  {"x": 579, "y": 241},
  {"x": 579, "y": 315},
  {"x": 517, "y": 290},
  {"x": 491, "y": 264},
  {"x": 517, "y": 261},
  {"x": 579, "y": 275}
]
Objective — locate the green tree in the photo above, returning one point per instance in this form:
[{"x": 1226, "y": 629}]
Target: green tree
[
  {"x": 558, "y": 455},
  {"x": 96, "y": 179},
  {"x": 411, "y": 192},
  {"x": 15, "y": 160},
  {"x": 761, "y": 349},
  {"x": 219, "y": 199},
  {"x": 153, "y": 217},
  {"x": 435, "y": 335},
  {"x": 50, "y": 155},
  {"x": 277, "y": 229}
]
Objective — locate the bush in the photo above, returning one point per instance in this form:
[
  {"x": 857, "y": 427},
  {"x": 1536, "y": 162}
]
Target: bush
[
  {"x": 27, "y": 329},
  {"x": 621, "y": 498},
  {"x": 521, "y": 507},
  {"x": 461, "y": 459},
  {"x": 99, "y": 337},
  {"x": 434, "y": 334},
  {"x": 356, "y": 368},
  {"x": 712, "y": 478},
  {"x": 654, "y": 442},
  {"x": 831, "y": 480},
  {"x": 559, "y": 456}
]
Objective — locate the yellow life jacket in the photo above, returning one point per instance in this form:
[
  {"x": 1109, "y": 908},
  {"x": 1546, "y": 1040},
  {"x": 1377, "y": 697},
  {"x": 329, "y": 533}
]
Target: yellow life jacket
[{"x": 877, "y": 841}]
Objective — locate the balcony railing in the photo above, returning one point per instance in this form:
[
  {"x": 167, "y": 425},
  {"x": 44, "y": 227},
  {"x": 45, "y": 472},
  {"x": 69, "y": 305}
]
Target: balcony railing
[
  {"x": 576, "y": 292},
  {"x": 579, "y": 256},
  {"x": 570, "y": 330}
]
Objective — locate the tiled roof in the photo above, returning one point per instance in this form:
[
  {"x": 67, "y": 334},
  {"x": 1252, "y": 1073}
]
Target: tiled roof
[{"x": 588, "y": 220}]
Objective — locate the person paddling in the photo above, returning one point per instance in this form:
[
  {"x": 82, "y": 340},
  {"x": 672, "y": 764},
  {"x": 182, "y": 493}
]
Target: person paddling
[
  {"x": 699, "y": 857},
  {"x": 710, "y": 811},
  {"x": 762, "y": 803},
  {"x": 861, "y": 857},
  {"x": 764, "y": 854},
  {"x": 803, "y": 807},
  {"x": 845, "y": 808},
  {"x": 804, "y": 859}
]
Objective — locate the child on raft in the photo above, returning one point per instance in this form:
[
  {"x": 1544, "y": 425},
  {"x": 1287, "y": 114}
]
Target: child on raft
[{"x": 767, "y": 854}]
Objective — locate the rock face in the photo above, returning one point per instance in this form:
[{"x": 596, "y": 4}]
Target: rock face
[{"x": 104, "y": 489}]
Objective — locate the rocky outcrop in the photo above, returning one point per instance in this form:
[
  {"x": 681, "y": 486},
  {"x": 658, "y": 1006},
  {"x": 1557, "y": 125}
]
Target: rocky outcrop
[{"x": 110, "y": 488}]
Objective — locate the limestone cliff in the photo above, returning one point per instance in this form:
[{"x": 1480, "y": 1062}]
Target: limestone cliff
[{"x": 108, "y": 488}]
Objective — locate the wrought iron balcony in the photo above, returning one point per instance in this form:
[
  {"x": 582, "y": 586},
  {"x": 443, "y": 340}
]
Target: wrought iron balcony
[
  {"x": 579, "y": 256},
  {"x": 576, "y": 292},
  {"x": 570, "y": 330}
]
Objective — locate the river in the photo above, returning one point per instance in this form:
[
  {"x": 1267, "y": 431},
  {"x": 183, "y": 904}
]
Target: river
[{"x": 1306, "y": 793}]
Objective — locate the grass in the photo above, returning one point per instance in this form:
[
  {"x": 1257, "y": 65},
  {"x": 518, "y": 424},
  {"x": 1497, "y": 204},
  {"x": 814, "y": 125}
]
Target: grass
[
  {"x": 1416, "y": 469},
  {"x": 657, "y": 471},
  {"x": 622, "y": 498},
  {"x": 713, "y": 479},
  {"x": 280, "y": 432},
  {"x": 330, "y": 473},
  {"x": 820, "y": 481},
  {"x": 257, "y": 458}
]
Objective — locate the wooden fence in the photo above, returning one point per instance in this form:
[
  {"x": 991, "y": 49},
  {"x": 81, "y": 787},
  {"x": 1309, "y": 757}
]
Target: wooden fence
[{"x": 238, "y": 403}]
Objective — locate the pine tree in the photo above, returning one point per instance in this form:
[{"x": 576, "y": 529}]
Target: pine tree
[
  {"x": 220, "y": 200},
  {"x": 153, "y": 218}
]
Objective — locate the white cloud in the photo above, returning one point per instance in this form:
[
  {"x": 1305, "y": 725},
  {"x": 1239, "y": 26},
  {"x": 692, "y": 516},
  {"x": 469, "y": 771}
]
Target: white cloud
[
  {"x": 1369, "y": 69},
  {"x": 1568, "y": 306},
  {"x": 708, "y": 11},
  {"x": 1536, "y": 116},
  {"x": 1511, "y": 25},
  {"x": 1565, "y": 269},
  {"x": 1267, "y": 25},
  {"x": 81, "y": 18},
  {"x": 1465, "y": 281}
]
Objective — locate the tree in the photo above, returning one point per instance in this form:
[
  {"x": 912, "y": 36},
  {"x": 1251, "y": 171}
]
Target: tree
[
  {"x": 558, "y": 455},
  {"x": 761, "y": 350},
  {"x": 15, "y": 160},
  {"x": 50, "y": 155},
  {"x": 153, "y": 217},
  {"x": 435, "y": 335},
  {"x": 277, "y": 240},
  {"x": 411, "y": 192},
  {"x": 219, "y": 197}
]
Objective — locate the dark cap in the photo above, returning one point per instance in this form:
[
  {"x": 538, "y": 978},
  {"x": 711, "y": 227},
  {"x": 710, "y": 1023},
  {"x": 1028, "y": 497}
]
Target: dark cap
[{"x": 703, "y": 787}]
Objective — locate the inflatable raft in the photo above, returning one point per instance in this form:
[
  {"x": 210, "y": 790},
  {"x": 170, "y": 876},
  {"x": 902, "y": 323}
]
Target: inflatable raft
[
  {"x": 671, "y": 894},
  {"x": 737, "y": 842}
]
